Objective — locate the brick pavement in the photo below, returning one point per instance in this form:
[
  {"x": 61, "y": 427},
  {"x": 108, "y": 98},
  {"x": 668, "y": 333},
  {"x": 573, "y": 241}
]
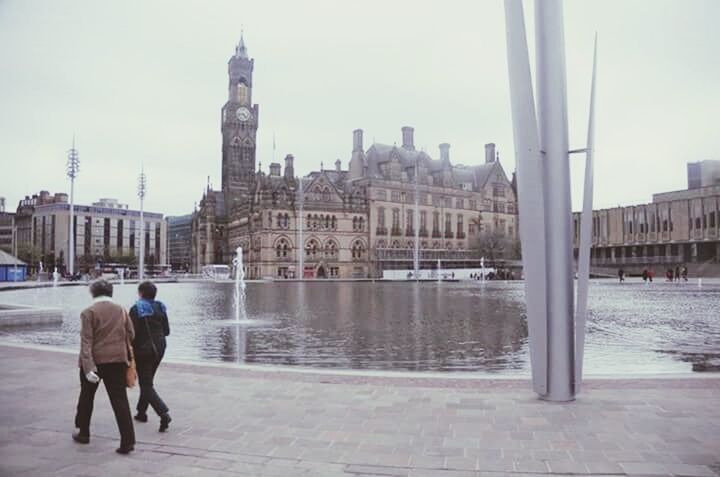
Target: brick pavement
[{"x": 233, "y": 421}]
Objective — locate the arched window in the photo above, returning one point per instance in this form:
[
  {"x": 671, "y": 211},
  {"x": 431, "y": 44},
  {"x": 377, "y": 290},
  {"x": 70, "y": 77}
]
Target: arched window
[
  {"x": 243, "y": 95},
  {"x": 247, "y": 150},
  {"x": 270, "y": 219},
  {"x": 315, "y": 221},
  {"x": 361, "y": 224},
  {"x": 279, "y": 220},
  {"x": 333, "y": 223},
  {"x": 312, "y": 248},
  {"x": 326, "y": 194},
  {"x": 327, "y": 222},
  {"x": 355, "y": 223},
  {"x": 286, "y": 223},
  {"x": 282, "y": 248},
  {"x": 331, "y": 249},
  {"x": 308, "y": 224},
  {"x": 358, "y": 250},
  {"x": 381, "y": 243}
]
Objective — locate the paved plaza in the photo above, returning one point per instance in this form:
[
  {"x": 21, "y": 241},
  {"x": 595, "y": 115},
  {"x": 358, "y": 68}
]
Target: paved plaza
[{"x": 231, "y": 421}]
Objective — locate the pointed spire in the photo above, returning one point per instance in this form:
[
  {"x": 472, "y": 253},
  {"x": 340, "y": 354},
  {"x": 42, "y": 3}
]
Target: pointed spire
[{"x": 241, "y": 49}]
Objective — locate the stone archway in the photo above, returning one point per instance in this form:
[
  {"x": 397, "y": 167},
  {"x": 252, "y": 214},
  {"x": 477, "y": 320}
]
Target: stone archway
[{"x": 321, "y": 272}]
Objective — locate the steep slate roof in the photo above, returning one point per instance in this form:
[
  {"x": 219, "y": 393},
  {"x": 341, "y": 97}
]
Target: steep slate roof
[
  {"x": 7, "y": 259},
  {"x": 380, "y": 153}
]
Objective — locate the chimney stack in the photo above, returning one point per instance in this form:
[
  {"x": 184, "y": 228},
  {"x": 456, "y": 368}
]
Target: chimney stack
[
  {"x": 357, "y": 140},
  {"x": 275, "y": 169},
  {"x": 408, "y": 142},
  {"x": 338, "y": 165},
  {"x": 289, "y": 167},
  {"x": 444, "y": 152},
  {"x": 489, "y": 153}
]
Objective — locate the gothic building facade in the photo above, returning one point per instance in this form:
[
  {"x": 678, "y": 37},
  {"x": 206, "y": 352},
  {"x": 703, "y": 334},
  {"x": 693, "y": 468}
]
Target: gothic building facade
[{"x": 336, "y": 223}]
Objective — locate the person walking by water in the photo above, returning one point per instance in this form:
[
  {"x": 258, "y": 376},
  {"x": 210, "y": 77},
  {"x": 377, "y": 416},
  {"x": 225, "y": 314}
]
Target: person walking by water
[
  {"x": 105, "y": 336},
  {"x": 684, "y": 273},
  {"x": 149, "y": 317},
  {"x": 677, "y": 273},
  {"x": 645, "y": 275},
  {"x": 621, "y": 275}
]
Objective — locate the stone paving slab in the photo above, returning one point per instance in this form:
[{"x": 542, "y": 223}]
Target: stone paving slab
[{"x": 236, "y": 422}]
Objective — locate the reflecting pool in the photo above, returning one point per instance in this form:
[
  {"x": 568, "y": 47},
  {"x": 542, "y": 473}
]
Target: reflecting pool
[{"x": 461, "y": 326}]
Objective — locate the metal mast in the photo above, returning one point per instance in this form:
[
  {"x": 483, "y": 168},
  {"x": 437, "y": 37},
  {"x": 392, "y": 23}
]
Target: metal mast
[
  {"x": 73, "y": 167},
  {"x": 142, "y": 188}
]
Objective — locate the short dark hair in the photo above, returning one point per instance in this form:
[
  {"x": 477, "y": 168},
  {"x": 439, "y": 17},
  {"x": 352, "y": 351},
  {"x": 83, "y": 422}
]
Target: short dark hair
[
  {"x": 147, "y": 290},
  {"x": 101, "y": 288}
]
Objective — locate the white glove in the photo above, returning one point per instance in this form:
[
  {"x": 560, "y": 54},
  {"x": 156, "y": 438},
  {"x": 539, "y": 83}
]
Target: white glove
[{"x": 92, "y": 377}]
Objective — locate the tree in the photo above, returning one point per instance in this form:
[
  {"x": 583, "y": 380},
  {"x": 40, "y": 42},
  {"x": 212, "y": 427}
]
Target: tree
[
  {"x": 495, "y": 245},
  {"x": 29, "y": 253}
]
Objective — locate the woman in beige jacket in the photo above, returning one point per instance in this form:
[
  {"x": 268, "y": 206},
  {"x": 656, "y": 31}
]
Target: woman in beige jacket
[{"x": 105, "y": 333}]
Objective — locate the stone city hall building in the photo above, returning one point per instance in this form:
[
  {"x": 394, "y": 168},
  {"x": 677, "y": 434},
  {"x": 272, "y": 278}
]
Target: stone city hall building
[{"x": 344, "y": 223}]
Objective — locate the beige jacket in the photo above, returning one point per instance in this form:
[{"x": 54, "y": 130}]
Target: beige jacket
[{"x": 105, "y": 331}]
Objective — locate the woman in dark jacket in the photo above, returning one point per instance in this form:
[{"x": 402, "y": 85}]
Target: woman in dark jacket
[{"x": 149, "y": 317}]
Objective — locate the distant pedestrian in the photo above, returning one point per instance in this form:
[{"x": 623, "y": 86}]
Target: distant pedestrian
[
  {"x": 105, "y": 336},
  {"x": 621, "y": 275},
  {"x": 669, "y": 275},
  {"x": 645, "y": 275},
  {"x": 651, "y": 274},
  {"x": 684, "y": 274},
  {"x": 677, "y": 273},
  {"x": 149, "y": 317}
]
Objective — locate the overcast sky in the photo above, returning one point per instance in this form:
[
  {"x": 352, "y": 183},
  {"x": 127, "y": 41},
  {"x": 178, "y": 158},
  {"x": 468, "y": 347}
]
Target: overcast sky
[{"x": 142, "y": 82}]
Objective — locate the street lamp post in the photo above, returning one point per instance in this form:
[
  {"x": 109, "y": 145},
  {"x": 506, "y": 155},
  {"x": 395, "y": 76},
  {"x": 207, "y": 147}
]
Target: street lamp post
[
  {"x": 73, "y": 167},
  {"x": 142, "y": 188}
]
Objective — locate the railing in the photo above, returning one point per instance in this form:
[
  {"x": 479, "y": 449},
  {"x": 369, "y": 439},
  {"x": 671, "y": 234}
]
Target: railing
[
  {"x": 423, "y": 233},
  {"x": 381, "y": 231},
  {"x": 395, "y": 231},
  {"x": 409, "y": 232},
  {"x": 598, "y": 262},
  {"x": 404, "y": 254},
  {"x": 461, "y": 235},
  {"x": 436, "y": 234},
  {"x": 449, "y": 235}
]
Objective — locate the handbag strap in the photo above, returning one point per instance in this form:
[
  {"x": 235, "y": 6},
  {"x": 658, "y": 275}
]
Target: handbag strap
[
  {"x": 128, "y": 343},
  {"x": 147, "y": 327}
]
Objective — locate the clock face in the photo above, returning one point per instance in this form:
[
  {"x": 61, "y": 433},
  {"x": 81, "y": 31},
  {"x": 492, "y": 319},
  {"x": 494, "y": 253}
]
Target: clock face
[{"x": 243, "y": 114}]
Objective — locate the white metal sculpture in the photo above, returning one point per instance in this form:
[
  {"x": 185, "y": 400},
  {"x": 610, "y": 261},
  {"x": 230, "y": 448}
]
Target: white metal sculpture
[{"x": 556, "y": 329}]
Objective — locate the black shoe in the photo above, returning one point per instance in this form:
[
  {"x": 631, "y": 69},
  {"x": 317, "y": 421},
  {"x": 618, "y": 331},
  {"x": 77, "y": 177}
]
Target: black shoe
[
  {"x": 125, "y": 449},
  {"x": 81, "y": 438},
  {"x": 165, "y": 421},
  {"x": 141, "y": 417}
]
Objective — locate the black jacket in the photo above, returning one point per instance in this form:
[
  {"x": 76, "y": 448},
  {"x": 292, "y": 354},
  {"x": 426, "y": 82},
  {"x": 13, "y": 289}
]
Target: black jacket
[{"x": 158, "y": 326}]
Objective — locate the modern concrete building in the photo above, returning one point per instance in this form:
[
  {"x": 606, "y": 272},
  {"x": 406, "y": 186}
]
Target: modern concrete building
[
  {"x": 179, "y": 242},
  {"x": 703, "y": 173},
  {"x": 105, "y": 232},
  {"x": 676, "y": 228},
  {"x": 337, "y": 222}
]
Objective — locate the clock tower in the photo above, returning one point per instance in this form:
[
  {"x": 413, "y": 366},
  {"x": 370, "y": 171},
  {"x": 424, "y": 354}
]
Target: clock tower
[{"x": 239, "y": 131}]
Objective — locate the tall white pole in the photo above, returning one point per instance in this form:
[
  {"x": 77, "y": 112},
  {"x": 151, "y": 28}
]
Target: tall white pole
[
  {"x": 73, "y": 166},
  {"x": 142, "y": 188},
  {"x": 416, "y": 258},
  {"x": 553, "y": 129}
]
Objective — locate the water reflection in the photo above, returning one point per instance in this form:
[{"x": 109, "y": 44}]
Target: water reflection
[{"x": 412, "y": 326}]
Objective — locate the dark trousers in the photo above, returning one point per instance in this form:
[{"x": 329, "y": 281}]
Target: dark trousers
[
  {"x": 146, "y": 369},
  {"x": 113, "y": 375}
]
